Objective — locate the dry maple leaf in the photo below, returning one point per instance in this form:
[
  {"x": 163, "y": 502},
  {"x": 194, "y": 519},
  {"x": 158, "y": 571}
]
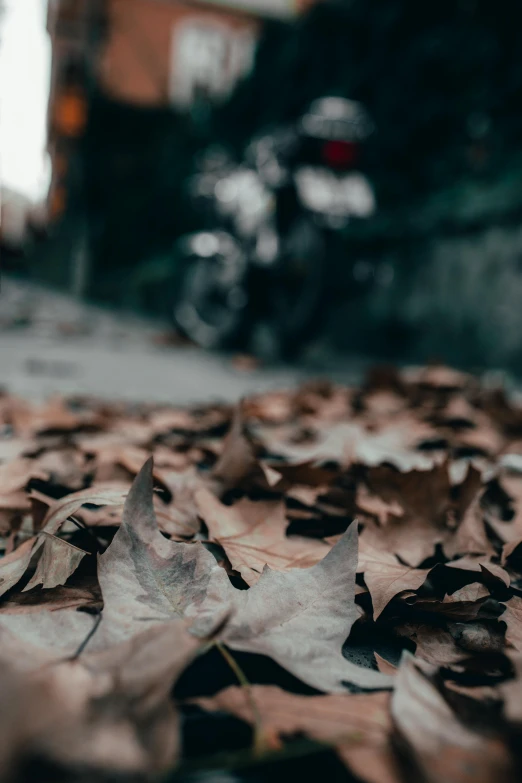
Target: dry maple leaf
[
  {"x": 357, "y": 725},
  {"x": 62, "y": 509},
  {"x": 386, "y": 577},
  {"x": 349, "y": 442},
  {"x": 147, "y": 579},
  {"x": 58, "y": 560},
  {"x": 17, "y": 473},
  {"x": 238, "y": 458},
  {"x": 512, "y": 616},
  {"x": 433, "y": 644},
  {"x": 14, "y": 565},
  {"x": 30, "y": 641},
  {"x": 109, "y": 710},
  {"x": 371, "y": 505},
  {"x": 82, "y": 592},
  {"x": 300, "y": 618},
  {"x": 62, "y": 465},
  {"x": 490, "y": 573},
  {"x": 253, "y": 534},
  {"x": 425, "y": 497},
  {"x": 131, "y": 685},
  {"x": 442, "y": 749}
]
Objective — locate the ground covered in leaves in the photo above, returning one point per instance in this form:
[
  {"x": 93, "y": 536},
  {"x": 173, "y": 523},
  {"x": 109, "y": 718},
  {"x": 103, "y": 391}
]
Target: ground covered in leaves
[{"x": 324, "y": 581}]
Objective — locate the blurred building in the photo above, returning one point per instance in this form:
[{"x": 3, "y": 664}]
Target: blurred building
[{"x": 148, "y": 53}]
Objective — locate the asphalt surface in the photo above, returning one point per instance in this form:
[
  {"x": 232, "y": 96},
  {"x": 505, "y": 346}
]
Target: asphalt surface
[{"x": 53, "y": 344}]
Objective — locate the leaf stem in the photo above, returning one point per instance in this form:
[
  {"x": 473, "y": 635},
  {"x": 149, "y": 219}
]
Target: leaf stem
[
  {"x": 259, "y": 744},
  {"x": 88, "y": 638},
  {"x": 82, "y": 526}
]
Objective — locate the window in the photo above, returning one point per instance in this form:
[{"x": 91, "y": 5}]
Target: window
[{"x": 207, "y": 59}]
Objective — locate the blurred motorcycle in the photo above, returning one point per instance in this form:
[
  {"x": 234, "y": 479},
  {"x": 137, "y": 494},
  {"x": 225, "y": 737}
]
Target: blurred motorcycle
[{"x": 273, "y": 230}]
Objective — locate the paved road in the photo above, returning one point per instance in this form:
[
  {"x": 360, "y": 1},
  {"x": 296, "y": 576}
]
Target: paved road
[
  {"x": 36, "y": 368},
  {"x": 50, "y": 343}
]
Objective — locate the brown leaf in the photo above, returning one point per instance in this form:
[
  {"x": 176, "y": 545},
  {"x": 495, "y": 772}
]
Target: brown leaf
[
  {"x": 300, "y": 618},
  {"x": 84, "y": 593},
  {"x": 62, "y": 509},
  {"x": 138, "y": 675},
  {"x": 511, "y": 692},
  {"x": 425, "y": 498},
  {"x": 109, "y": 710},
  {"x": 433, "y": 644},
  {"x": 385, "y": 577},
  {"x": 58, "y": 560},
  {"x": 238, "y": 458},
  {"x": 441, "y": 748},
  {"x": 490, "y": 573},
  {"x": 372, "y": 505},
  {"x": 29, "y": 641},
  {"x": 385, "y": 666},
  {"x": 358, "y": 726},
  {"x": 253, "y": 534},
  {"x": 14, "y": 565},
  {"x": 512, "y": 616},
  {"x": 349, "y": 442},
  {"x": 16, "y": 474},
  {"x": 470, "y": 538},
  {"x": 65, "y": 466},
  {"x": 145, "y": 578}
]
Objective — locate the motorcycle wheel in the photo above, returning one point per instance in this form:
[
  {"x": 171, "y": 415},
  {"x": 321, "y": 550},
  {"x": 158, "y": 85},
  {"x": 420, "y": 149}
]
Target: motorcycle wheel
[
  {"x": 300, "y": 290},
  {"x": 211, "y": 306}
]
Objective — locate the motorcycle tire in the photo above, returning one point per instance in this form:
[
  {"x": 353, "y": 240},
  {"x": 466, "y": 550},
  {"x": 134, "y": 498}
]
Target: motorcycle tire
[{"x": 209, "y": 311}]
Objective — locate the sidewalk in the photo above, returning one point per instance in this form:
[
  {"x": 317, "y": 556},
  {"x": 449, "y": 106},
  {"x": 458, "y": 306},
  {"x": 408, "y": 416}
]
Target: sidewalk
[{"x": 50, "y": 343}]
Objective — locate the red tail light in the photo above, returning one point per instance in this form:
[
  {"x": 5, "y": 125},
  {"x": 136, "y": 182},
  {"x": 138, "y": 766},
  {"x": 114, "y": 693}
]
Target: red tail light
[{"x": 340, "y": 154}]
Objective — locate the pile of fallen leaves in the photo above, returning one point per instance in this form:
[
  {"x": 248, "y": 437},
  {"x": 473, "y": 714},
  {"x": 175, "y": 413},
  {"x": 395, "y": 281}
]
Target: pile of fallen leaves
[{"x": 327, "y": 567}]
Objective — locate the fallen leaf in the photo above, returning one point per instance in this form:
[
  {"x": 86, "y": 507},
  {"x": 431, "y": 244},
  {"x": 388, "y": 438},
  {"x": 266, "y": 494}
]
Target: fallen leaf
[
  {"x": 357, "y": 725},
  {"x": 58, "y": 560},
  {"x": 441, "y": 748},
  {"x": 385, "y": 666},
  {"x": 425, "y": 497},
  {"x": 238, "y": 458},
  {"x": 145, "y": 578},
  {"x": 512, "y": 616},
  {"x": 385, "y": 577},
  {"x": 62, "y": 509},
  {"x": 14, "y": 565},
  {"x": 17, "y": 473},
  {"x": 433, "y": 644},
  {"x": 109, "y": 710},
  {"x": 253, "y": 534},
  {"x": 300, "y": 618}
]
